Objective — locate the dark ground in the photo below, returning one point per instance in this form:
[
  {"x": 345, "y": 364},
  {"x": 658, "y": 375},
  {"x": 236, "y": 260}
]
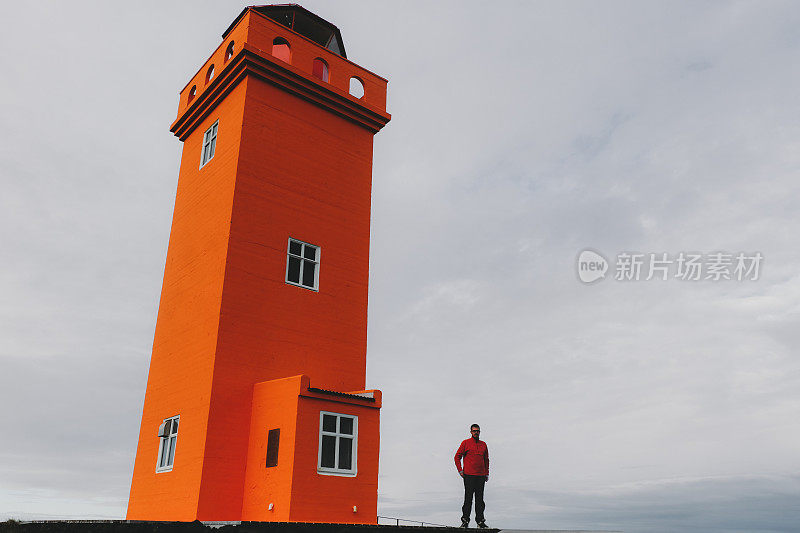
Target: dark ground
[{"x": 122, "y": 526}]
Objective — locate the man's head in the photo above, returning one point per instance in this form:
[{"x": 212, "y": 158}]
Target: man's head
[{"x": 475, "y": 431}]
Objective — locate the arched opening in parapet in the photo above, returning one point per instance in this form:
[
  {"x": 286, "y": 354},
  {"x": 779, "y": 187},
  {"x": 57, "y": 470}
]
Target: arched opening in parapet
[
  {"x": 229, "y": 52},
  {"x": 281, "y": 49},
  {"x": 210, "y": 74},
  {"x": 320, "y": 69},
  {"x": 356, "y": 87},
  {"x": 192, "y": 94}
]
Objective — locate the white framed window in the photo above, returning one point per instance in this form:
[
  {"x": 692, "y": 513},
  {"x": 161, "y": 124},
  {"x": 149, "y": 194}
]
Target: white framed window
[
  {"x": 338, "y": 444},
  {"x": 209, "y": 144},
  {"x": 302, "y": 264},
  {"x": 168, "y": 439}
]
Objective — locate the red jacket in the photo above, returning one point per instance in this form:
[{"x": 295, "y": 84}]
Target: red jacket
[{"x": 476, "y": 457}]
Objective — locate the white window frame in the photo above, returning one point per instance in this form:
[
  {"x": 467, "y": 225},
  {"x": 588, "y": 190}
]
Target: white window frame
[
  {"x": 209, "y": 144},
  {"x": 327, "y": 471},
  {"x": 303, "y": 260},
  {"x": 167, "y": 441}
]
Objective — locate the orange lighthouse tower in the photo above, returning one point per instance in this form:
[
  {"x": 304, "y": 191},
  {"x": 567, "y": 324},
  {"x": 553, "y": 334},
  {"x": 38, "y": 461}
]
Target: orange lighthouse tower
[{"x": 256, "y": 406}]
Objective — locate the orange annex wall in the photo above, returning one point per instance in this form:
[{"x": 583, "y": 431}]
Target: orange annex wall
[
  {"x": 321, "y": 498},
  {"x": 238, "y": 349},
  {"x": 274, "y": 406},
  {"x": 293, "y": 487}
]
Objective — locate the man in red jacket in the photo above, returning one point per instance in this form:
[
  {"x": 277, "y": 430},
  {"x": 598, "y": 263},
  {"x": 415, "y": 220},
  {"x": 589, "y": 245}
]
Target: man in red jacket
[{"x": 475, "y": 474}]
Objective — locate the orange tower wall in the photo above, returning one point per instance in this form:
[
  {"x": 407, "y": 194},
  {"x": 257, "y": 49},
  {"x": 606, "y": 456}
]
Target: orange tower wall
[
  {"x": 236, "y": 347},
  {"x": 186, "y": 336},
  {"x": 269, "y": 329}
]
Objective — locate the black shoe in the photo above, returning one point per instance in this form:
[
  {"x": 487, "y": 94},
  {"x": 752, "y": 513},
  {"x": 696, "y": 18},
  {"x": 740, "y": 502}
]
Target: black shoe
[
  {"x": 482, "y": 525},
  {"x": 464, "y": 522}
]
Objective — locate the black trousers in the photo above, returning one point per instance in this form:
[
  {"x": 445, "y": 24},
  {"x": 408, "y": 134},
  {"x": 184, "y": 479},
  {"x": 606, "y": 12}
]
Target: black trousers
[{"x": 473, "y": 485}]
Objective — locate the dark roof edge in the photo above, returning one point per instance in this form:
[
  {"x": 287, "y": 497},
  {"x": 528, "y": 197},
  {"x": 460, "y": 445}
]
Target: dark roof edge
[
  {"x": 235, "y": 21},
  {"x": 297, "y": 6},
  {"x": 343, "y": 394}
]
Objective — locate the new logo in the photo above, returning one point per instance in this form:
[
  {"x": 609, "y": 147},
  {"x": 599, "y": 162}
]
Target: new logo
[{"x": 591, "y": 266}]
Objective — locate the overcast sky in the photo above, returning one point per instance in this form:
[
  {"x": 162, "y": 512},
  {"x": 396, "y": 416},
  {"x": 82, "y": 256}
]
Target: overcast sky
[{"x": 522, "y": 134}]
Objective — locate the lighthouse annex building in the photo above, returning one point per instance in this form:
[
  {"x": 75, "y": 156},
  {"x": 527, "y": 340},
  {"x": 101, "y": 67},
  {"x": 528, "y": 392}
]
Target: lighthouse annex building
[{"x": 256, "y": 406}]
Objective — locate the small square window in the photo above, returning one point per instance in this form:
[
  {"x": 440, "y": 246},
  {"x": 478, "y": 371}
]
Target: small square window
[
  {"x": 302, "y": 264},
  {"x": 338, "y": 436},
  {"x": 168, "y": 435},
  {"x": 209, "y": 144}
]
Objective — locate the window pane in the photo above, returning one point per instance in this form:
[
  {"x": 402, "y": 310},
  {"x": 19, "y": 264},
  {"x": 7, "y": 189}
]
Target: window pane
[
  {"x": 171, "y": 450},
  {"x": 174, "y": 425},
  {"x": 310, "y": 252},
  {"x": 308, "y": 273},
  {"x": 294, "y": 270},
  {"x": 346, "y": 425},
  {"x": 328, "y": 452},
  {"x": 213, "y": 145},
  {"x": 345, "y": 453},
  {"x": 329, "y": 423},
  {"x": 295, "y": 247},
  {"x": 162, "y": 461}
]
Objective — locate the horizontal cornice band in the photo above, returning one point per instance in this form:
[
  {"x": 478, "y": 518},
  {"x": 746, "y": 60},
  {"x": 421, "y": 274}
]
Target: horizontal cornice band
[{"x": 249, "y": 62}]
